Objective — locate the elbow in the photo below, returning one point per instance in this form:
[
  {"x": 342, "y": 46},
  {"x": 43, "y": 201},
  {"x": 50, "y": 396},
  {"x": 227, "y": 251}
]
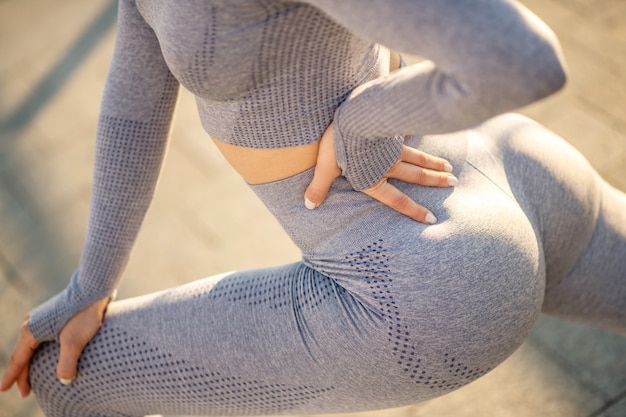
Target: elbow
[
  {"x": 546, "y": 70},
  {"x": 559, "y": 76},
  {"x": 538, "y": 74},
  {"x": 517, "y": 86},
  {"x": 530, "y": 68},
  {"x": 548, "y": 75},
  {"x": 536, "y": 53},
  {"x": 557, "y": 80}
]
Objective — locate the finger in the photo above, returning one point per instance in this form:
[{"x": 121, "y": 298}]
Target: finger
[
  {"x": 397, "y": 200},
  {"x": 410, "y": 173},
  {"x": 23, "y": 385},
  {"x": 68, "y": 360},
  {"x": 422, "y": 159},
  {"x": 76, "y": 334},
  {"x": 325, "y": 173},
  {"x": 18, "y": 361},
  {"x": 319, "y": 187},
  {"x": 20, "y": 358}
]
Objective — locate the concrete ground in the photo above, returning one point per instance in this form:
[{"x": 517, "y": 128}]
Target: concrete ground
[{"x": 54, "y": 60}]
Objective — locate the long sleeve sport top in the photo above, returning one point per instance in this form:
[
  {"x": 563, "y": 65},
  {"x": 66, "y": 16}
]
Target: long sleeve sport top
[{"x": 274, "y": 73}]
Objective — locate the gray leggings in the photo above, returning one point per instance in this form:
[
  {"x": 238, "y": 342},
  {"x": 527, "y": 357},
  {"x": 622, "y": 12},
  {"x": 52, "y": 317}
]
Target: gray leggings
[{"x": 381, "y": 311}]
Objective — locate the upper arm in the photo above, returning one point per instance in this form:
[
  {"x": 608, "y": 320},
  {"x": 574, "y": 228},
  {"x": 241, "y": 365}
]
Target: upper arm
[
  {"x": 139, "y": 83},
  {"x": 469, "y": 40}
]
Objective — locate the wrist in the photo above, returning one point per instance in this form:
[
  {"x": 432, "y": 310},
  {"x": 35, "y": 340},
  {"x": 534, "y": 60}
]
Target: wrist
[
  {"x": 99, "y": 306},
  {"x": 48, "y": 319}
]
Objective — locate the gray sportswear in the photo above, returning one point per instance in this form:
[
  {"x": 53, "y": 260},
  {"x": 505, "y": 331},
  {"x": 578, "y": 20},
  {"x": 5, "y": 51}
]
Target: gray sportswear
[{"x": 382, "y": 311}]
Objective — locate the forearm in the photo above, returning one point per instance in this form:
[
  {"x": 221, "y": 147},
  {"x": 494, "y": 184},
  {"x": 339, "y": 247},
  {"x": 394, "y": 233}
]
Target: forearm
[
  {"x": 129, "y": 156},
  {"x": 133, "y": 129}
]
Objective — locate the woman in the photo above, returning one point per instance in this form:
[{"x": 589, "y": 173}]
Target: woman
[{"x": 383, "y": 310}]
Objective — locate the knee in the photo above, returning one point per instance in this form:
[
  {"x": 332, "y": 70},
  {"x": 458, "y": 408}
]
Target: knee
[{"x": 42, "y": 376}]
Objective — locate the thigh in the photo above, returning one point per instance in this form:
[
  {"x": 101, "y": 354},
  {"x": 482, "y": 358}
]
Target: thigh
[
  {"x": 276, "y": 340},
  {"x": 553, "y": 183},
  {"x": 215, "y": 346},
  {"x": 580, "y": 220},
  {"x": 594, "y": 291}
]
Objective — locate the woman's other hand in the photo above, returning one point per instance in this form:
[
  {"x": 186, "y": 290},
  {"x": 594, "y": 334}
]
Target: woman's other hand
[
  {"x": 19, "y": 363},
  {"x": 413, "y": 166},
  {"x": 76, "y": 334}
]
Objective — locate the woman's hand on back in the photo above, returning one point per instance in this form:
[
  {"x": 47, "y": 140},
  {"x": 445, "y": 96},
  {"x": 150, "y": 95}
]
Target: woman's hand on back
[{"x": 413, "y": 166}]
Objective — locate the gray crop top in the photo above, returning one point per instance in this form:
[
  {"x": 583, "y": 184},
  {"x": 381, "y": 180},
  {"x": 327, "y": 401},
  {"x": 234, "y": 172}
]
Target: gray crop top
[{"x": 274, "y": 73}]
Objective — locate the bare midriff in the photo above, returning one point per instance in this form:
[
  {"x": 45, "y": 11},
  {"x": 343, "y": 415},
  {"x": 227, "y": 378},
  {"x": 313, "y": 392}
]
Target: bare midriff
[{"x": 259, "y": 166}]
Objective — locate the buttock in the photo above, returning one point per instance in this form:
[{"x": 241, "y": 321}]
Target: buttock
[
  {"x": 463, "y": 293},
  {"x": 474, "y": 280}
]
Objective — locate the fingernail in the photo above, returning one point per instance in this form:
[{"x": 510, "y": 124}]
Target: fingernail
[
  {"x": 65, "y": 381},
  {"x": 309, "y": 204},
  {"x": 452, "y": 180},
  {"x": 447, "y": 167},
  {"x": 431, "y": 219}
]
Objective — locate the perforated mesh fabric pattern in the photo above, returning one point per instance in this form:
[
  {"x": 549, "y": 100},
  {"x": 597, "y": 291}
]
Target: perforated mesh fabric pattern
[
  {"x": 372, "y": 262},
  {"x": 119, "y": 371}
]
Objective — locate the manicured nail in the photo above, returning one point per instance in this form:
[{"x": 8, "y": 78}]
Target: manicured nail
[
  {"x": 452, "y": 180},
  {"x": 309, "y": 204},
  {"x": 447, "y": 167},
  {"x": 65, "y": 381},
  {"x": 431, "y": 219}
]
